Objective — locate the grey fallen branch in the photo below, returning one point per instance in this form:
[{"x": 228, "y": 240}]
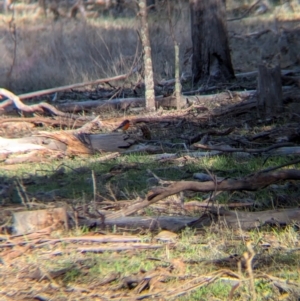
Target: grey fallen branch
[
  {"x": 246, "y": 150},
  {"x": 73, "y": 86},
  {"x": 231, "y": 219},
  {"x": 98, "y": 239},
  {"x": 119, "y": 248}
]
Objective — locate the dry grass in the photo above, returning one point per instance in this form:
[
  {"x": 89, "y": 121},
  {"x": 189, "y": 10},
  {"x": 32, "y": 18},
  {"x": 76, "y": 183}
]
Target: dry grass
[
  {"x": 52, "y": 53},
  {"x": 67, "y": 51},
  {"x": 183, "y": 266}
]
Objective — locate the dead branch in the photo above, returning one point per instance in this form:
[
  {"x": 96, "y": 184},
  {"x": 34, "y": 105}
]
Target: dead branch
[
  {"x": 73, "y": 86},
  {"x": 88, "y": 127},
  {"x": 210, "y": 132},
  {"x": 230, "y": 218},
  {"x": 296, "y": 161},
  {"x": 171, "y": 223},
  {"x": 98, "y": 239},
  {"x": 102, "y": 105},
  {"x": 39, "y": 108},
  {"x": 61, "y": 122},
  {"x": 248, "y": 220},
  {"x": 284, "y": 73},
  {"x": 254, "y": 182},
  {"x": 119, "y": 248},
  {"x": 246, "y": 150},
  {"x": 66, "y": 121}
]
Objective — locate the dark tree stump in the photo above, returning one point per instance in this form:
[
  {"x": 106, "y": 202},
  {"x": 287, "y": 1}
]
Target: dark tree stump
[
  {"x": 211, "y": 52},
  {"x": 269, "y": 91}
]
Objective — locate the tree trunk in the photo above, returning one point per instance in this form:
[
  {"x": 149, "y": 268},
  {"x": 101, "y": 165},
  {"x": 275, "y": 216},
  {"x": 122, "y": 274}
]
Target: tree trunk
[
  {"x": 7, "y": 5},
  {"x": 269, "y": 91},
  {"x": 211, "y": 53},
  {"x": 149, "y": 81}
]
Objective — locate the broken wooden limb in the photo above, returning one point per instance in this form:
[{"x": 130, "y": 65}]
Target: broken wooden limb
[
  {"x": 232, "y": 219},
  {"x": 93, "y": 239},
  {"x": 73, "y": 86},
  {"x": 90, "y": 126},
  {"x": 117, "y": 104},
  {"x": 293, "y": 150},
  {"x": 171, "y": 223},
  {"x": 36, "y": 108},
  {"x": 102, "y": 105},
  {"x": 36, "y": 121},
  {"x": 124, "y": 247},
  {"x": 248, "y": 220},
  {"x": 246, "y": 150},
  {"x": 126, "y": 103},
  {"x": 253, "y": 182}
]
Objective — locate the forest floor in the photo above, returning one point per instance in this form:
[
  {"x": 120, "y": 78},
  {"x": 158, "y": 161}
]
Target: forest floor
[{"x": 135, "y": 263}]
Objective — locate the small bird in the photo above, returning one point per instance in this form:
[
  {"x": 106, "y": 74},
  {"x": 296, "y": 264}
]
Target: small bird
[{"x": 123, "y": 126}]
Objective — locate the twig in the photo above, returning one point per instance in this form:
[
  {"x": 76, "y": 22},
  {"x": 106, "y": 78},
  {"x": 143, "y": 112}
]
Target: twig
[
  {"x": 249, "y": 258},
  {"x": 279, "y": 166}
]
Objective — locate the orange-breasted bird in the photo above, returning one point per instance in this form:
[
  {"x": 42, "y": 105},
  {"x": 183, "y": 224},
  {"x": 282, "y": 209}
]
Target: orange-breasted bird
[{"x": 123, "y": 126}]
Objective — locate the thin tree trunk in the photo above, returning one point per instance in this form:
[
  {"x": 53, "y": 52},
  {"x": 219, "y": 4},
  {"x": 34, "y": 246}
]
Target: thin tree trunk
[
  {"x": 211, "y": 53},
  {"x": 149, "y": 81}
]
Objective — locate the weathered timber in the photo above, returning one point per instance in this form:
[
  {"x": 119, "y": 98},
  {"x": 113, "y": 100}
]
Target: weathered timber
[
  {"x": 231, "y": 219},
  {"x": 269, "y": 91}
]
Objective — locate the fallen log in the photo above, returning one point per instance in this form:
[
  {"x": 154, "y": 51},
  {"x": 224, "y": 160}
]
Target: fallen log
[
  {"x": 170, "y": 223},
  {"x": 231, "y": 219},
  {"x": 248, "y": 220},
  {"x": 68, "y": 142}
]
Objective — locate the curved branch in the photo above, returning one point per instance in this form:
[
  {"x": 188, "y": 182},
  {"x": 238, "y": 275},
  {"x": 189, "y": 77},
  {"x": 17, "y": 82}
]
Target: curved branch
[
  {"x": 253, "y": 182},
  {"x": 40, "y": 107}
]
